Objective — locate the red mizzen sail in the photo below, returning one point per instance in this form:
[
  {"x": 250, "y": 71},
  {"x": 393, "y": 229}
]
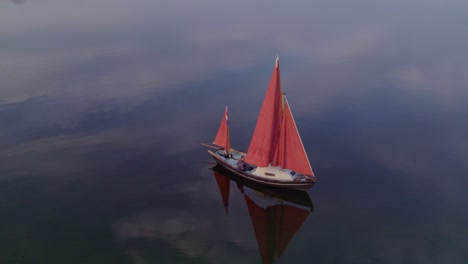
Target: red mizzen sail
[
  {"x": 276, "y": 139},
  {"x": 274, "y": 227},
  {"x": 222, "y": 137}
]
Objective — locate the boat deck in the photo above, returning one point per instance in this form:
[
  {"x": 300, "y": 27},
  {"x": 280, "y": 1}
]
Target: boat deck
[{"x": 270, "y": 172}]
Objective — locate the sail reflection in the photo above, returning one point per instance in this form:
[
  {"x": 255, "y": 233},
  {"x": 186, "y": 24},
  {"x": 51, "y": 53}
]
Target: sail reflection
[
  {"x": 223, "y": 184},
  {"x": 274, "y": 225}
]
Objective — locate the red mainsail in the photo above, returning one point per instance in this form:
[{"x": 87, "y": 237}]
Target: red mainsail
[
  {"x": 264, "y": 139},
  {"x": 276, "y": 140},
  {"x": 222, "y": 137},
  {"x": 274, "y": 227}
]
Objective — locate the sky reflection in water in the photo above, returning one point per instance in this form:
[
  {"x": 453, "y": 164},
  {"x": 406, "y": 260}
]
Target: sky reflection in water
[{"x": 100, "y": 102}]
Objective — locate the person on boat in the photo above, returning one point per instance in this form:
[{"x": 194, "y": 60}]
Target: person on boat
[
  {"x": 241, "y": 165},
  {"x": 226, "y": 154}
]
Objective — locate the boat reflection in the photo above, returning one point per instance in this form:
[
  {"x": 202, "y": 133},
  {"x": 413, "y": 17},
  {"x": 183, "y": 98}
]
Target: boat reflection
[{"x": 274, "y": 225}]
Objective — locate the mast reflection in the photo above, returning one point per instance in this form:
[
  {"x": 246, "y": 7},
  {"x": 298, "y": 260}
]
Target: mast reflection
[{"x": 274, "y": 225}]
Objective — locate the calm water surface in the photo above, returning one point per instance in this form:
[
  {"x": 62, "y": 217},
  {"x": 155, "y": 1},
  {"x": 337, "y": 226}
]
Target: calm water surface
[{"x": 103, "y": 105}]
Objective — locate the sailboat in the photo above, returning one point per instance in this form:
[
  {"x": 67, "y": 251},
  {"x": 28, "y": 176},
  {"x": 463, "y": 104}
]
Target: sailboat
[
  {"x": 274, "y": 225},
  {"x": 276, "y": 155}
]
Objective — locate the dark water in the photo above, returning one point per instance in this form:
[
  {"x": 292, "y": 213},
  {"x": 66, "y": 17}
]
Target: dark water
[{"x": 103, "y": 105}]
